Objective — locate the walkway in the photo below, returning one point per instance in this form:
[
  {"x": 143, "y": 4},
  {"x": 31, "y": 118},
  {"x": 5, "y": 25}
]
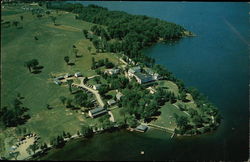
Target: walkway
[
  {"x": 182, "y": 111},
  {"x": 98, "y": 97},
  {"x": 161, "y": 128},
  {"x": 111, "y": 116}
]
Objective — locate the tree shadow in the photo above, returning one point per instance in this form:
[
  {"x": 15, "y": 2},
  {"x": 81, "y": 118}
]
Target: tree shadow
[
  {"x": 78, "y": 56},
  {"x": 71, "y": 64},
  {"x": 36, "y": 71},
  {"x": 56, "y": 24},
  {"x": 108, "y": 96},
  {"x": 38, "y": 67},
  {"x": 186, "y": 100},
  {"x": 76, "y": 92}
]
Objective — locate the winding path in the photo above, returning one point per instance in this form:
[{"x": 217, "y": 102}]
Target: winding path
[{"x": 98, "y": 97}]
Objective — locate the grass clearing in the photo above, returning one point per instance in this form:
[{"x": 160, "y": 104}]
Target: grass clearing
[
  {"x": 53, "y": 44},
  {"x": 171, "y": 86},
  {"x": 117, "y": 115},
  {"x": 166, "y": 119}
]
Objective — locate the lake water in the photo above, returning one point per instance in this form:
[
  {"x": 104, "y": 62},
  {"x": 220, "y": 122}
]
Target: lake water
[{"x": 216, "y": 62}]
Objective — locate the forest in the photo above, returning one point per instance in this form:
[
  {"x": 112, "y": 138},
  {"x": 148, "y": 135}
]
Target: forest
[{"x": 123, "y": 32}]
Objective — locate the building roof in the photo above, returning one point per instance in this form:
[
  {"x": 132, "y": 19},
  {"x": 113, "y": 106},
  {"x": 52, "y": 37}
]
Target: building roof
[
  {"x": 112, "y": 71},
  {"x": 135, "y": 69},
  {"x": 97, "y": 86},
  {"x": 119, "y": 95},
  {"x": 110, "y": 102},
  {"x": 142, "y": 127},
  {"x": 97, "y": 111},
  {"x": 144, "y": 77}
]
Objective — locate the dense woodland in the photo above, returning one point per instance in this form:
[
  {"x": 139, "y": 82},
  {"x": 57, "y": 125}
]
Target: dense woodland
[{"x": 122, "y": 32}]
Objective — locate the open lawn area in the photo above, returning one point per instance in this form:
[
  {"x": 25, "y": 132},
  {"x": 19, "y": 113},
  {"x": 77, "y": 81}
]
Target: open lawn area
[
  {"x": 166, "y": 119},
  {"x": 117, "y": 115},
  {"x": 53, "y": 43},
  {"x": 169, "y": 85}
]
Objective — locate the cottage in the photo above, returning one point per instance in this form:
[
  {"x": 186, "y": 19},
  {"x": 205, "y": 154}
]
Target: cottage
[
  {"x": 78, "y": 74},
  {"x": 97, "y": 112},
  {"x": 97, "y": 86},
  {"x": 111, "y": 102},
  {"x": 118, "y": 96},
  {"x": 141, "y": 128}
]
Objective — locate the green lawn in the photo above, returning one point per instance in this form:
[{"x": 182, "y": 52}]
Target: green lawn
[
  {"x": 117, "y": 116},
  {"x": 112, "y": 93},
  {"x": 54, "y": 42},
  {"x": 171, "y": 86},
  {"x": 166, "y": 119}
]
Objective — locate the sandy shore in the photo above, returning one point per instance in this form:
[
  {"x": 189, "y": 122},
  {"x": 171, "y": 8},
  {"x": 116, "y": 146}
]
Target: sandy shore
[{"x": 22, "y": 148}]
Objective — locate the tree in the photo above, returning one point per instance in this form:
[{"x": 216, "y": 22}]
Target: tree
[
  {"x": 28, "y": 65},
  {"x": 15, "y": 23},
  {"x": 59, "y": 142},
  {"x": 69, "y": 103},
  {"x": 69, "y": 82},
  {"x": 109, "y": 65},
  {"x": 87, "y": 131},
  {"x": 53, "y": 19},
  {"x": 131, "y": 121},
  {"x": 81, "y": 98},
  {"x": 181, "y": 121},
  {"x": 15, "y": 154},
  {"x": 75, "y": 50},
  {"x": 44, "y": 146},
  {"x": 33, "y": 147},
  {"x": 32, "y": 64},
  {"x": 85, "y": 80},
  {"x": 21, "y": 17},
  {"x": 93, "y": 66},
  {"x": 66, "y": 59},
  {"x": 63, "y": 99},
  {"x": 89, "y": 49},
  {"x": 49, "y": 107},
  {"x": 85, "y": 33}
]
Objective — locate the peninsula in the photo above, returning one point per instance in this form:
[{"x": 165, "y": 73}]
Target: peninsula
[{"x": 70, "y": 71}]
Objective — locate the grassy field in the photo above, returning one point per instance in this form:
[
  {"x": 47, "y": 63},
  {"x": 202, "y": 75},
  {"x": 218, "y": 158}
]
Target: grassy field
[
  {"x": 166, "y": 119},
  {"x": 117, "y": 115},
  {"x": 171, "y": 86},
  {"x": 54, "y": 42}
]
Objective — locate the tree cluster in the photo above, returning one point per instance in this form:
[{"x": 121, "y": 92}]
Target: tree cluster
[{"x": 14, "y": 115}]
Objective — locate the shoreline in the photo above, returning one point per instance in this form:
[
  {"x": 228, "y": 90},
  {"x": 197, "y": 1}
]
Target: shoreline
[{"x": 96, "y": 132}]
